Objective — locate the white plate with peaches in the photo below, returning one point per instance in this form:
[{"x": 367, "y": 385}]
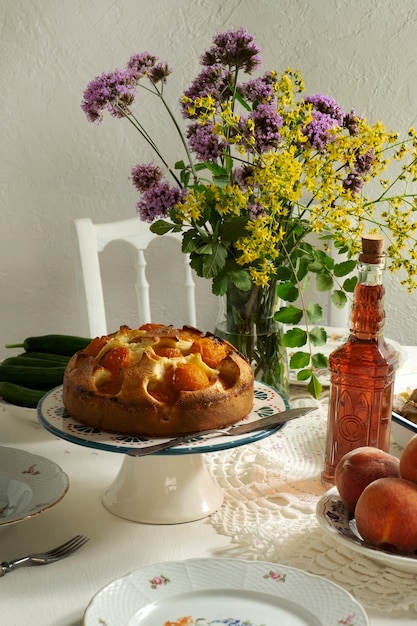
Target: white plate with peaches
[{"x": 373, "y": 504}]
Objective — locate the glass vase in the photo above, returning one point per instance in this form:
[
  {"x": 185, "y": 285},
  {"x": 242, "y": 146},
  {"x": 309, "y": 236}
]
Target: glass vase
[{"x": 246, "y": 319}]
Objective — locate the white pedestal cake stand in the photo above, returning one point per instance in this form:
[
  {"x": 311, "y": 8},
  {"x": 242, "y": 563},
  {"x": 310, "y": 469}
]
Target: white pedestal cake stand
[{"x": 170, "y": 487}]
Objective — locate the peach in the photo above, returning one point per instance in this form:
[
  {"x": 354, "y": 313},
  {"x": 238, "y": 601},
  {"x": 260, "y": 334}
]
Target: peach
[
  {"x": 211, "y": 353},
  {"x": 386, "y": 514},
  {"x": 408, "y": 460},
  {"x": 189, "y": 377},
  {"x": 359, "y": 467}
]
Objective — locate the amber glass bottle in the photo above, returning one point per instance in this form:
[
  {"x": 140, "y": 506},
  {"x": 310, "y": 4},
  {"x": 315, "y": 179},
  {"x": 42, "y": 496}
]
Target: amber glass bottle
[{"x": 362, "y": 370}]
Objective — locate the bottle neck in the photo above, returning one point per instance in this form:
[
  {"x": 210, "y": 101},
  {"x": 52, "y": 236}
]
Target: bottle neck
[
  {"x": 371, "y": 273},
  {"x": 368, "y": 314}
]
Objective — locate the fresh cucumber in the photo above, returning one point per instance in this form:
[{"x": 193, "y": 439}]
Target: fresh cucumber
[
  {"x": 20, "y": 396},
  {"x": 53, "y": 344},
  {"x": 45, "y": 356},
  {"x": 31, "y": 362},
  {"x": 32, "y": 377}
]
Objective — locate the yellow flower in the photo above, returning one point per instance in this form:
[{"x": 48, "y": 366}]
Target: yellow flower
[{"x": 190, "y": 209}]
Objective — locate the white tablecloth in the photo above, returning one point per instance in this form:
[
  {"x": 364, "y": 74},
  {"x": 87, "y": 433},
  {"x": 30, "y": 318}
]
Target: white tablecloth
[{"x": 268, "y": 514}]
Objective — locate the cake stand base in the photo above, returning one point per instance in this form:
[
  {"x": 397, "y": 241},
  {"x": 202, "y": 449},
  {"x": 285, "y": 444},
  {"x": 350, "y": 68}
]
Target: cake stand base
[{"x": 163, "y": 490}]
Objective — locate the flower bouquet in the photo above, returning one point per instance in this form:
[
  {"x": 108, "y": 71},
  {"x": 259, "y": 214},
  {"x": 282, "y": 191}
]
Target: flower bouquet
[{"x": 265, "y": 173}]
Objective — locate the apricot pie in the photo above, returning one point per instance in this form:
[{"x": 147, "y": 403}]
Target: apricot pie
[{"x": 158, "y": 381}]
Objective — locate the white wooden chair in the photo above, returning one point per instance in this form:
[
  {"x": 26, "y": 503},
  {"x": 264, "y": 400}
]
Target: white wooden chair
[{"x": 92, "y": 239}]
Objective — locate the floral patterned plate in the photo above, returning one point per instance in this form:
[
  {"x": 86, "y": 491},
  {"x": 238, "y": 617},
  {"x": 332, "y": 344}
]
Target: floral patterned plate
[
  {"x": 335, "y": 338},
  {"x": 52, "y": 415},
  {"x": 208, "y": 592},
  {"x": 29, "y": 485},
  {"x": 336, "y": 521}
]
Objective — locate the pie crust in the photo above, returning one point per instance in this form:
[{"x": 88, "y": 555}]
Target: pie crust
[{"x": 158, "y": 381}]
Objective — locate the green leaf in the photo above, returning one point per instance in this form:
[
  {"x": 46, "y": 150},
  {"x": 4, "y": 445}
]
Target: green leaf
[
  {"x": 239, "y": 98},
  {"x": 198, "y": 167},
  {"x": 299, "y": 360},
  {"x": 302, "y": 269},
  {"x": 221, "y": 181},
  {"x": 220, "y": 284},
  {"x": 234, "y": 229},
  {"x": 339, "y": 298},
  {"x": 241, "y": 278},
  {"x": 314, "y": 313},
  {"x": 287, "y": 292},
  {"x": 185, "y": 177},
  {"x": 196, "y": 263},
  {"x": 229, "y": 163},
  {"x": 342, "y": 269},
  {"x": 314, "y": 387},
  {"x": 189, "y": 241},
  {"x": 326, "y": 260},
  {"x": 317, "y": 336},
  {"x": 288, "y": 315},
  {"x": 216, "y": 170},
  {"x": 294, "y": 338},
  {"x": 304, "y": 374},
  {"x": 205, "y": 247},
  {"x": 161, "y": 227},
  {"x": 319, "y": 361},
  {"x": 214, "y": 262},
  {"x": 324, "y": 282},
  {"x": 350, "y": 284},
  {"x": 283, "y": 273},
  {"x": 237, "y": 275},
  {"x": 315, "y": 267},
  {"x": 179, "y": 165}
]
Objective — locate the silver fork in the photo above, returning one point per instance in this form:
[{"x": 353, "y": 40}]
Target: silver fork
[{"x": 42, "y": 558}]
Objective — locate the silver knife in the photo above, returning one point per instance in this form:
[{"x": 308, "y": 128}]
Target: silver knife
[{"x": 266, "y": 423}]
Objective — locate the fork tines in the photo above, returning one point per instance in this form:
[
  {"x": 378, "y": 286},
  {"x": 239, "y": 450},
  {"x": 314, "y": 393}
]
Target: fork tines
[{"x": 67, "y": 547}]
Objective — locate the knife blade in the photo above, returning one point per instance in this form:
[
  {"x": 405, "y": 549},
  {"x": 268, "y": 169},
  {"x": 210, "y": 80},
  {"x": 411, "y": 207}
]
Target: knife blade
[{"x": 265, "y": 423}]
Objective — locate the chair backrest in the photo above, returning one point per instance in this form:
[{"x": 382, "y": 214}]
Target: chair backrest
[{"x": 92, "y": 239}]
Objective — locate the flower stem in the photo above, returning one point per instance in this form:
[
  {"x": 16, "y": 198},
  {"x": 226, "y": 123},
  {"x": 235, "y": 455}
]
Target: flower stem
[{"x": 135, "y": 122}]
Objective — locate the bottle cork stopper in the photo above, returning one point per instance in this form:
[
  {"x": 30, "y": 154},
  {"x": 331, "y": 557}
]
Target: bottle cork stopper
[{"x": 372, "y": 249}]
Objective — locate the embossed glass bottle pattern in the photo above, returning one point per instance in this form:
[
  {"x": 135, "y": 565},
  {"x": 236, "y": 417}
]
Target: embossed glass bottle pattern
[{"x": 362, "y": 370}]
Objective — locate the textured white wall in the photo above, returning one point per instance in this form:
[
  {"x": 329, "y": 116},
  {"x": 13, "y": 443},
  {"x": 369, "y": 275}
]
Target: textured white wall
[{"x": 55, "y": 166}]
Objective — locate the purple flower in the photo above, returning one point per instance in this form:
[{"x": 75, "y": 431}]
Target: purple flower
[
  {"x": 145, "y": 176},
  {"x": 328, "y": 106},
  {"x": 204, "y": 143},
  {"x": 326, "y": 115},
  {"x": 158, "y": 200},
  {"x": 364, "y": 162},
  {"x": 317, "y": 131},
  {"x": 212, "y": 81},
  {"x": 267, "y": 124},
  {"x": 351, "y": 123},
  {"x": 256, "y": 210},
  {"x": 159, "y": 73},
  {"x": 114, "y": 91},
  {"x": 354, "y": 182},
  {"x": 259, "y": 89},
  {"x": 234, "y": 48},
  {"x": 241, "y": 176},
  {"x": 140, "y": 64}
]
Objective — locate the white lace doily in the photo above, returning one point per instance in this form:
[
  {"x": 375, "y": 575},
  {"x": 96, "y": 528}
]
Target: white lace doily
[{"x": 271, "y": 489}]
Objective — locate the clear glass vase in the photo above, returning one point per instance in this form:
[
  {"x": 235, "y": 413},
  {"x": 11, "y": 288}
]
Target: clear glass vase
[{"x": 246, "y": 319}]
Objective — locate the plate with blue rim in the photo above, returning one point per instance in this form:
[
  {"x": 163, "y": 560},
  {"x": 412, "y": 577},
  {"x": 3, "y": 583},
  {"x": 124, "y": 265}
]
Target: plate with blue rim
[{"x": 53, "y": 416}]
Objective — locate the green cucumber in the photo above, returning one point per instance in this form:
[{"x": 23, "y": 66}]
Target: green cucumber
[
  {"x": 20, "y": 396},
  {"x": 29, "y": 362},
  {"x": 45, "y": 356},
  {"x": 32, "y": 377},
  {"x": 66, "y": 345}
]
